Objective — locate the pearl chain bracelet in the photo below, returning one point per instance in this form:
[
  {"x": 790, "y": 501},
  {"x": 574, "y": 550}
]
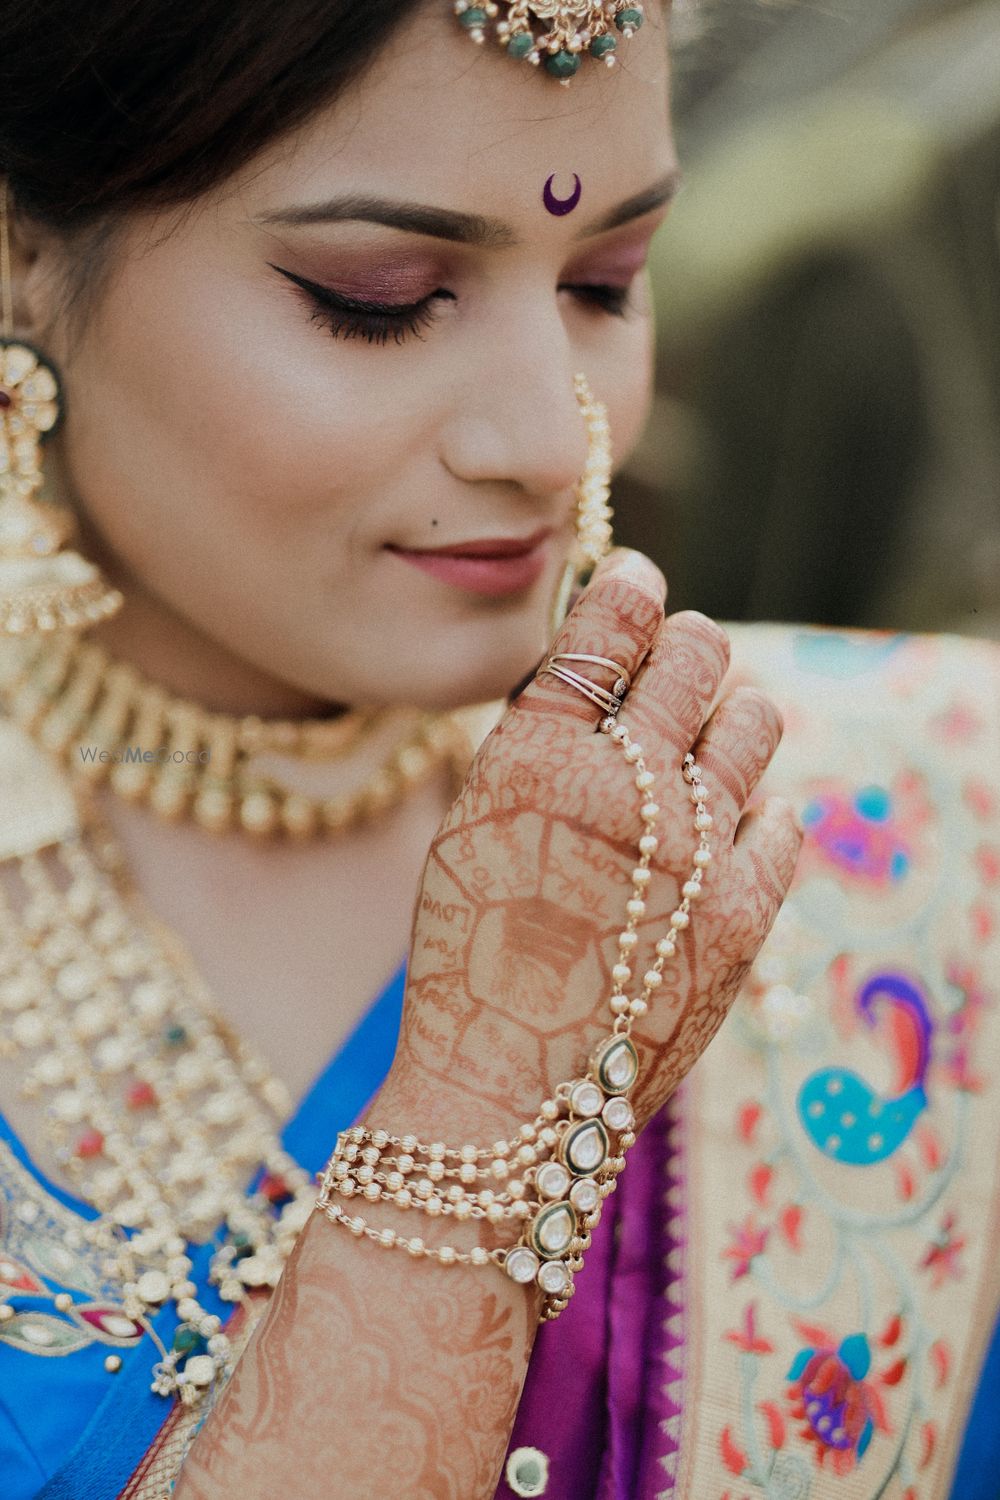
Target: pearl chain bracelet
[{"x": 552, "y": 1179}]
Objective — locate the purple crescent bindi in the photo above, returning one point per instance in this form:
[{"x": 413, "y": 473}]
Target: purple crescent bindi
[{"x": 561, "y": 205}]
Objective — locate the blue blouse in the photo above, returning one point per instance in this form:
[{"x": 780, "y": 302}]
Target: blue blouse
[{"x": 55, "y": 1410}]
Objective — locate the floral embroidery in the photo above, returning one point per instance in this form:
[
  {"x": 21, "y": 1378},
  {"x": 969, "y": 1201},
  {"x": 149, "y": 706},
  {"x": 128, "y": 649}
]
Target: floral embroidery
[
  {"x": 845, "y": 1389},
  {"x": 871, "y": 835},
  {"x": 858, "y": 835},
  {"x": 830, "y": 654},
  {"x": 838, "y": 1408},
  {"x": 748, "y": 1242},
  {"x": 746, "y": 1337},
  {"x": 44, "y": 1251},
  {"x": 941, "y": 1257}
]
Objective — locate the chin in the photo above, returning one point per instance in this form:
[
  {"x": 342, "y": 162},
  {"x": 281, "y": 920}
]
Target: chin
[
  {"x": 457, "y": 689},
  {"x": 432, "y": 648},
  {"x": 490, "y": 661}
]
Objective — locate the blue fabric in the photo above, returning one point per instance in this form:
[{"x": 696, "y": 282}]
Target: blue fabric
[
  {"x": 978, "y": 1474},
  {"x": 68, "y": 1430}
]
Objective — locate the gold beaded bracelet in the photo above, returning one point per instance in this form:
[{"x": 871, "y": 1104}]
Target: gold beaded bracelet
[{"x": 554, "y": 1177}]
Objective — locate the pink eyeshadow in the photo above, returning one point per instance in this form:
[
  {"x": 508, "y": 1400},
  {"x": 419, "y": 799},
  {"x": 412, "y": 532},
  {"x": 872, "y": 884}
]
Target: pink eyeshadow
[
  {"x": 615, "y": 264},
  {"x": 389, "y": 279}
]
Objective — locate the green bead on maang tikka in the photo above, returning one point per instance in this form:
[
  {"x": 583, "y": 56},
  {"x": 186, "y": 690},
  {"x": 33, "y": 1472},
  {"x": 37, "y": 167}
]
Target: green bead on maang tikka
[
  {"x": 521, "y": 44},
  {"x": 628, "y": 20},
  {"x": 562, "y": 64}
]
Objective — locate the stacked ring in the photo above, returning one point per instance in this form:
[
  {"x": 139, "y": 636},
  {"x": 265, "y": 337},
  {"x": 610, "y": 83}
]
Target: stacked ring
[{"x": 609, "y": 702}]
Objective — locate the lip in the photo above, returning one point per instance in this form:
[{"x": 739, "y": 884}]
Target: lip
[{"x": 488, "y": 566}]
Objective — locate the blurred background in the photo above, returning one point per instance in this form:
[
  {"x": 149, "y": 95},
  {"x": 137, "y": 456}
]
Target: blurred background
[{"x": 825, "y": 441}]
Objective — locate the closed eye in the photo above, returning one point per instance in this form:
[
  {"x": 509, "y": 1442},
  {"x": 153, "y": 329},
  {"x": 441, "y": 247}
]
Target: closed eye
[
  {"x": 356, "y": 317},
  {"x": 382, "y": 322},
  {"x": 609, "y": 299}
]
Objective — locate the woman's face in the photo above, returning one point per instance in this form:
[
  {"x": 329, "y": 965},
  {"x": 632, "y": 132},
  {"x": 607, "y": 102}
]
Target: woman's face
[{"x": 263, "y": 461}]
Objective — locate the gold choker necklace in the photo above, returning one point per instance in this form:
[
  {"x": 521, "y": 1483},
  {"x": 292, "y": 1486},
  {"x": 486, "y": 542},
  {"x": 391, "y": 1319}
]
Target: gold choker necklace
[{"x": 107, "y": 724}]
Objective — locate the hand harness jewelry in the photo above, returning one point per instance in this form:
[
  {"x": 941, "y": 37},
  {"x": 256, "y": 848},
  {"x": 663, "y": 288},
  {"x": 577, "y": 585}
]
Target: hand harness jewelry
[{"x": 554, "y": 1176}]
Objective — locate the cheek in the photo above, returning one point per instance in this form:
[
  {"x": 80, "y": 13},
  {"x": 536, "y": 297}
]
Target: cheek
[
  {"x": 221, "y": 406},
  {"x": 628, "y": 387}
]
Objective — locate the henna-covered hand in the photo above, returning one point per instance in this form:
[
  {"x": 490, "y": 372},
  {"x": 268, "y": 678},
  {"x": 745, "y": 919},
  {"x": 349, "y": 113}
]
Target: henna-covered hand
[
  {"x": 515, "y": 934},
  {"x": 524, "y": 892}
]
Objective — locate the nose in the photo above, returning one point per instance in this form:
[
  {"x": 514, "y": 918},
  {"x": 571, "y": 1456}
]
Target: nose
[{"x": 518, "y": 421}]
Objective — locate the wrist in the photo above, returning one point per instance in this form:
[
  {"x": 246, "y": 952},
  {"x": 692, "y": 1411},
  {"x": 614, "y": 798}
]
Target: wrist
[{"x": 415, "y": 1101}]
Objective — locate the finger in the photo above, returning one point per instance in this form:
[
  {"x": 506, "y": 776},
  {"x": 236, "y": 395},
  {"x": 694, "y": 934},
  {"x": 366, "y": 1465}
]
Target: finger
[
  {"x": 768, "y": 839},
  {"x": 734, "y": 750},
  {"x": 677, "y": 683},
  {"x": 617, "y": 616}
]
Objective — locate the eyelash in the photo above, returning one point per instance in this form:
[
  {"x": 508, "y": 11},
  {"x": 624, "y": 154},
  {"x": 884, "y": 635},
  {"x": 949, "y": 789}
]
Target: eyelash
[{"x": 376, "y": 323}]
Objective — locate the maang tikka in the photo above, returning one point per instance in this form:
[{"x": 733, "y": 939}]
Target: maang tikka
[
  {"x": 554, "y": 32},
  {"x": 42, "y": 587}
]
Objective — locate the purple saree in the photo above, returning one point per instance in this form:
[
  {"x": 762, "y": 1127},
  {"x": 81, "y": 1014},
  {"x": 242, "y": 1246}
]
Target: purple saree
[{"x": 604, "y": 1388}]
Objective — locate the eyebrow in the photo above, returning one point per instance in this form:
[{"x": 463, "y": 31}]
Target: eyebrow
[{"x": 450, "y": 224}]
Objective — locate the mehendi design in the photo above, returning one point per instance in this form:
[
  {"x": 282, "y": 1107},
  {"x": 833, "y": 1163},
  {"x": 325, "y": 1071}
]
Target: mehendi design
[
  {"x": 432, "y": 1393},
  {"x": 515, "y": 932}
]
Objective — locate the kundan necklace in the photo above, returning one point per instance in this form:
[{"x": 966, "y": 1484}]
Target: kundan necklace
[
  {"x": 158, "y": 1114},
  {"x": 108, "y": 724}
]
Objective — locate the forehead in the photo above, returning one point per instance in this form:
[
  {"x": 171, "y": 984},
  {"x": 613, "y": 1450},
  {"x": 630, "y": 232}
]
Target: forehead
[{"x": 440, "y": 119}]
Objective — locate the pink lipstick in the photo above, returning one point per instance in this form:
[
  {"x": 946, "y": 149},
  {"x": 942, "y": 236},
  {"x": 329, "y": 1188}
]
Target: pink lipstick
[{"x": 489, "y": 566}]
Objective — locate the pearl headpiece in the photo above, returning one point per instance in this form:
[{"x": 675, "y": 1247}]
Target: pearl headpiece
[{"x": 556, "y": 32}]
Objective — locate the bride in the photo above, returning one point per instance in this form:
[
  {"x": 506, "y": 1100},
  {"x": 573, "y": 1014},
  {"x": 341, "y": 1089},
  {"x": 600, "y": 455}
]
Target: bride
[{"x": 337, "y": 320}]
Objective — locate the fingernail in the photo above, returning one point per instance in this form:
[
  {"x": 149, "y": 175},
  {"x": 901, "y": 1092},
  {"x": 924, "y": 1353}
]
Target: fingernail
[
  {"x": 621, "y": 560},
  {"x": 626, "y": 562}
]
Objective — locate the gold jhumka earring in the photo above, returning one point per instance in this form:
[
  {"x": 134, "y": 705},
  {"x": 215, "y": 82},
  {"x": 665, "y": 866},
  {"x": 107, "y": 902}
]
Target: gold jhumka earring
[{"x": 42, "y": 587}]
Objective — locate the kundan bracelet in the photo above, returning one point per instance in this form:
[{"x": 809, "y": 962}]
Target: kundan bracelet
[{"x": 553, "y": 1177}]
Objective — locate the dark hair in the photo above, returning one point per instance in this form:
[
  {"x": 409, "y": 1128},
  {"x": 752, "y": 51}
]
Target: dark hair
[{"x": 136, "y": 103}]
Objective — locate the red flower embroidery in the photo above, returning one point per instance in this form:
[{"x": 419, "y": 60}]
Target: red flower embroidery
[
  {"x": 747, "y": 1118},
  {"x": 790, "y": 1221},
  {"x": 748, "y": 1242},
  {"x": 747, "y": 1338},
  {"x": 760, "y": 1182},
  {"x": 838, "y": 1408},
  {"x": 941, "y": 1360},
  {"x": 960, "y": 1075},
  {"x": 941, "y": 1257}
]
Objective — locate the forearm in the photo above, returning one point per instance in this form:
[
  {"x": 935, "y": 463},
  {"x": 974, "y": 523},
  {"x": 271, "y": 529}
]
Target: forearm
[{"x": 395, "y": 1374}]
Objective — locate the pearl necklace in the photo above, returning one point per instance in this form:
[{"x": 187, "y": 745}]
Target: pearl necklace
[{"x": 159, "y": 1115}]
